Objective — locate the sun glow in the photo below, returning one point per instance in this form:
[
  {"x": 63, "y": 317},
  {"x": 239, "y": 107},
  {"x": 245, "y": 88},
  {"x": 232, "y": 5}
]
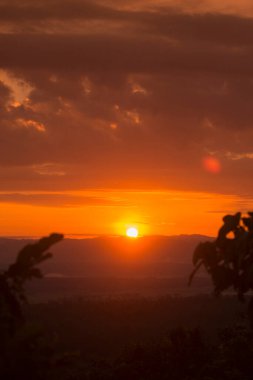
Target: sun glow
[{"x": 132, "y": 232}]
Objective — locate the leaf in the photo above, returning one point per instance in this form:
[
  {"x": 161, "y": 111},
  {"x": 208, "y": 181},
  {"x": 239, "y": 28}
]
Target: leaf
[
  {"x": 231, "y": 223},
  {"x": 12, "y": 294},
  {"x": 205, "y": 252},
  {"x": 194, "y": 272},
  {"x": 35, "y": 272},
  {"x": 32, "y": 254},
  {"x": 222, "y": 278}
]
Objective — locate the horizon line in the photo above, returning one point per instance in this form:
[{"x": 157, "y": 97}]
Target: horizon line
[{"x": 95, "y": 236}]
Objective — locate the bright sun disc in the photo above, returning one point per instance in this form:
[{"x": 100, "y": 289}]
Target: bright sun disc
[{"x": 132, "y": 232}]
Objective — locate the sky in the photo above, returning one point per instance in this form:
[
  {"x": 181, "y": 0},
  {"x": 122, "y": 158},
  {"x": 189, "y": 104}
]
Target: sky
[{"x": 120, "y": 113}]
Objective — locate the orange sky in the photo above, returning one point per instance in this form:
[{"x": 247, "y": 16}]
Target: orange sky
[
  {"x": 112, "y": 212},
  {"x": 128, "y": 112}
]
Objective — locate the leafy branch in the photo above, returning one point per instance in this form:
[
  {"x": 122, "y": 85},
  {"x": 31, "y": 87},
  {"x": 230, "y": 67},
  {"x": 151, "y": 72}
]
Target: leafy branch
[
  {"x": 229, "y": 259},
  {"x": 12, "y": 281}
]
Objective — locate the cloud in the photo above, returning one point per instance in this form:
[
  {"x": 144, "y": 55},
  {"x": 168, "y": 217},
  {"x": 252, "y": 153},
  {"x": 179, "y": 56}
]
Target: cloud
[
  {"x": 174, "y": 20},
  {"x": 58, "y": 200},
  {"x": 33, "y": 124},
  {"x": 49, "y": 169},
  {"x": 19, "y": 89},
  {"x": 124, "y": 95},
  {"x": 120, "y": 54},
  {"x": 44, "y": 10},
  {"x": 239, "y": 156},
  {"x": 4, "y": 94}
]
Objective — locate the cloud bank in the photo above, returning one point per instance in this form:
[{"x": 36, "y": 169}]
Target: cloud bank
[{"x": 127, "y": 95}]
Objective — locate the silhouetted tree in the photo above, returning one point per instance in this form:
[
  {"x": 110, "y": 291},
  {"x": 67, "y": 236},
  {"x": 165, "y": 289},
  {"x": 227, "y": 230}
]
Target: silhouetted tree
[
  {"x": 25, "y": 352},
  {"x": 12, "y": 294},
  {"x": 229, "y": 258}
]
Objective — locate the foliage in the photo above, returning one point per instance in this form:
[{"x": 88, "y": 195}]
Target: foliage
[
  {"x": 100, "y": 327},
  {"x": 229, "y": 259},
  {"x": 182, "y": 355},
  {"x": 12, "y": 281},
  {"x": 25, "y": 351}
]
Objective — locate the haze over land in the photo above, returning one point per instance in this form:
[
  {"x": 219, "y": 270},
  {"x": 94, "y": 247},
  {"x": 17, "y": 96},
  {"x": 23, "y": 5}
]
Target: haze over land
[
  {"x": 114, "y": 256},
  {"x": 109, "y": 266}
]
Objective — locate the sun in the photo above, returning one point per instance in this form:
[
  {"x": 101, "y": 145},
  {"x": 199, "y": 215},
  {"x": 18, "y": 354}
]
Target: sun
[{"x": 132, "y": 232}]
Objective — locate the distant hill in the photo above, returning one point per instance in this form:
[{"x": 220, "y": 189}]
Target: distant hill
[{"x": 166, "y": 256}]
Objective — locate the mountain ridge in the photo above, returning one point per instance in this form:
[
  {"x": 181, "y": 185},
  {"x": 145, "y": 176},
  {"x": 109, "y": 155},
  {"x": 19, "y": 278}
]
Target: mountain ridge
[{"x": 113, "y": 256}]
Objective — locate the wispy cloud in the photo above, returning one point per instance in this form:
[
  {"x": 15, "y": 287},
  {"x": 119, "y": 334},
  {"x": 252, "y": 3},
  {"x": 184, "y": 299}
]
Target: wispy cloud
[
  {"x": 239, "y": 156},
  {"x": 58, "y": 200}
]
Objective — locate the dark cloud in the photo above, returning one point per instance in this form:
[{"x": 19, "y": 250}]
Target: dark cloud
[
  {"x": 227, "y": 29},
  {"x": 4, "y": 95},
  {"x": 218, "y": 28},
  {"x": 66, "y": 10},
  {"x": 119, "y": 54}
]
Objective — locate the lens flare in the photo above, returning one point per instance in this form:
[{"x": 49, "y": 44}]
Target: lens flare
[{"x": 212, "y": 165}]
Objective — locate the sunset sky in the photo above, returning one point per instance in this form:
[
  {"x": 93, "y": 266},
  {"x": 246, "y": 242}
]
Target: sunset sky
[{"x": 125, "y": 113}]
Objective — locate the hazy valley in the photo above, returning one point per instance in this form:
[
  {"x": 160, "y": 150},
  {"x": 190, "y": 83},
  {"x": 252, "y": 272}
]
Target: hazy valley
[{"x": 112, "y": 266}]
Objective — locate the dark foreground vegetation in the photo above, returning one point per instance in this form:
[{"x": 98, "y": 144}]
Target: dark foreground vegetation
[
  {"x": 229, "y": 258},
  {"x": 132, "y": 338},
  {"x": 200, "y": 338},
  {"x": 102, "y": 327}
]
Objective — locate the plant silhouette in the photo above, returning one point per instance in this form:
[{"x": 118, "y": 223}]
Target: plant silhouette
[
  {"x": 24, "y": 349},
  {"x": 229, "y": 259},
  {"x": 12, "y": 294}
]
